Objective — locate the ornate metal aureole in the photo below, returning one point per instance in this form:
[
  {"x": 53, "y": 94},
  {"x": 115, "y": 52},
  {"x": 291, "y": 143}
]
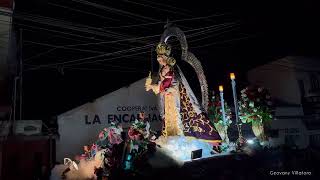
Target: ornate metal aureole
[{"x": 173, "y": 31}]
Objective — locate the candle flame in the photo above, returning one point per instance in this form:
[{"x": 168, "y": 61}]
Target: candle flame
[
  {"x": 220, "y": 88},
  {"x": 232, "y": 76}
]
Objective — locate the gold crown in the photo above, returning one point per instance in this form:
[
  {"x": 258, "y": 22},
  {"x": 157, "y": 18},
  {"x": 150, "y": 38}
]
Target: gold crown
[
  {"x": 171, "y": 61},
  {"x": 163, "y": 49}
]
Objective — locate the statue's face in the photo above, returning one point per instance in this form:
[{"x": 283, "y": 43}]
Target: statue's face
[{"x": 162, "y": 60}]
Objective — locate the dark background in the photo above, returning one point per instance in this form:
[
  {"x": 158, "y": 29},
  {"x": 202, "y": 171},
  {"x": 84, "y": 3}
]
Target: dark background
[{"x": 262, "y": 32}]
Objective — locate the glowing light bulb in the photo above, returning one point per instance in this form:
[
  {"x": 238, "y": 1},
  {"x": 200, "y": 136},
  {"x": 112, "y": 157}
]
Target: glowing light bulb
[
  {"x": 220, "y": 88},
  {"x": 250, "y": 141},
  {"x": 232, "y": 76}
]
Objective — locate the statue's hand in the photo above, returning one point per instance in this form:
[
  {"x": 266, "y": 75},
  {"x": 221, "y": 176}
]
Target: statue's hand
[
  {"x": 153, "y": 87},
  {"x": 148, "y": 87},
  {"x": 148, "y": 80}
]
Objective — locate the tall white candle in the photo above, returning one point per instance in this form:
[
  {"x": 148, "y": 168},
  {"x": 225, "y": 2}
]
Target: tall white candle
[
  {"x": 236, "y": 109},
  {"x": 234, "y": 92},
  {"x": 222, "y": 105}
]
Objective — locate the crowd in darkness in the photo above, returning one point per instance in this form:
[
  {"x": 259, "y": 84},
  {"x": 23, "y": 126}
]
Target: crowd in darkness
[
  {"x": 258, "y": 165},
  {"x": 261, "y": 163}
]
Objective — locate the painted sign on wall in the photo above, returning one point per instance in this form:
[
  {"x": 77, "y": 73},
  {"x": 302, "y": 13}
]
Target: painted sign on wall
[{"x": 80, "y": 126}]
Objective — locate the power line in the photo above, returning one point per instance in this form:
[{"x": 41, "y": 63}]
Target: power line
[
  {"x": 103, "y": 60},
  {"x": 40, "y": 54},
  {"x": 58, "y": 47},
  {"x": 166, "y": 6},
  {"x": 35, "y": 67},
  {"x": 73, "y": 9},
  {"x": 67, "y": 47},
  {"x": 208, "y": 28},
  {"x": 175, "y": 10},
  {"x": 50, "y": 21},
  {"x": 137, "y": 25},
  {"x": 116, "y": 66},
  {"x": 109, "y": 70},
  {"x": 68, "y": 25},
  {"x": 59, "y": 36},
  {"x": 144, "y": 37},
  {"x": 94, "y": 69},
  {"x": 160, "y": 9},
  {"x": 211, "y": 29},
  {"x": 61, "y": 32},
  {"x": 220, "y": 42},
  {"x": 123, "y": 51},
  {"x": 116, "y": 11},
  {"x": 112, "y": 58},
  {"x": 213, "y": 35},
  {"x": 115, "y": 41},
  {"x": 96, "y": 63},
  {"x": 56, "y": 35},
  {"x": 92, "y": 57},
  {"x": 163, "y": 22},
  {"x": 212, "y": 26},
  {"x": 72, "y": 26},
  {"x": 62, "y": 47},
  {"x": 68, "y": 34}
]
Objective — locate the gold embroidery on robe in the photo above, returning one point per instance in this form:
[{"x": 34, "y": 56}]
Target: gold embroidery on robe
[{"x": 171, "y": 117}]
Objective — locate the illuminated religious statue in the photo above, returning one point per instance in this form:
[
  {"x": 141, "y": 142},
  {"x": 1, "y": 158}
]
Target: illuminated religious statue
[{"x": 180, "y": 110}]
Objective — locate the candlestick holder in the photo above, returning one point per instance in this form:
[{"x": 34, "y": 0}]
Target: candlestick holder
[{"x": 241, "y": 140}]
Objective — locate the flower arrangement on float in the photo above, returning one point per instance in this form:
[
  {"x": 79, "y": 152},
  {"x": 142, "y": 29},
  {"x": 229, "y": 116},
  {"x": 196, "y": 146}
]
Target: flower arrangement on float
[
  {"x": 140, "y": 141},
  {"x": 101, "y": 155},
  {"x": 216, "y": 117},
  {"x": 255, "y": 107}
]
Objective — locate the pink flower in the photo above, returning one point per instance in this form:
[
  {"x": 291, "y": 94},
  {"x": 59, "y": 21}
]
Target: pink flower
[
  {"x": 94, "y": 147},
  {"x": 101, "y": 135},
  {"x": 133, "y": 134},
  {"x": 113, "y": 137}
]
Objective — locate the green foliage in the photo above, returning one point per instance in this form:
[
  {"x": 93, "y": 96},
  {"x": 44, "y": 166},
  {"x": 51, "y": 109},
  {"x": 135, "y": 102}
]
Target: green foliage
[
  {"x": 255, "y": 105},
  {"x": 215, "y": 112}
]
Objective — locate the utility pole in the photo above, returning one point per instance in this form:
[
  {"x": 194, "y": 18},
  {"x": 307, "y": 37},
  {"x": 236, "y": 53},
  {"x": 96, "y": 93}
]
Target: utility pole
[
  {"x": 151, "y": 53},
  {"x": 15, "y": 98},
  {"x": 21, "y": 70}
]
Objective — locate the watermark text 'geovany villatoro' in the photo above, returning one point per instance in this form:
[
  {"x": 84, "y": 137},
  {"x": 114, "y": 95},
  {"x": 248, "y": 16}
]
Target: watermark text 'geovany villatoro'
[{"x": 290, "y": 173}]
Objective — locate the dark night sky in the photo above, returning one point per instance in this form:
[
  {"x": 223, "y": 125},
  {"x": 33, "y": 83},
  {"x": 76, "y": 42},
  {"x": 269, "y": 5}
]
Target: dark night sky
[{"x": 264, "y": 31}]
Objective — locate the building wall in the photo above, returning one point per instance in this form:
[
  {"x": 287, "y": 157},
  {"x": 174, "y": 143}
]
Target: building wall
[
  {"x": 288, "y": 123},
  {"x": 293, "y": 81},
  {"x": 282, "y": 77},
  {"x": 5, "y": 32},
  {"x": 6, "y": 3},
  {"x": 23, "y": 156},
  {"x": 281, "y": 82},
  {"x": 81, "y": 125}
]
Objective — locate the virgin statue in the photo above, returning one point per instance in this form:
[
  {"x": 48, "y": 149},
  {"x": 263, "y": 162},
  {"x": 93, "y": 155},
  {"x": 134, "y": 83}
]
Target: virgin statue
[{"x": 180, "y": 111}]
